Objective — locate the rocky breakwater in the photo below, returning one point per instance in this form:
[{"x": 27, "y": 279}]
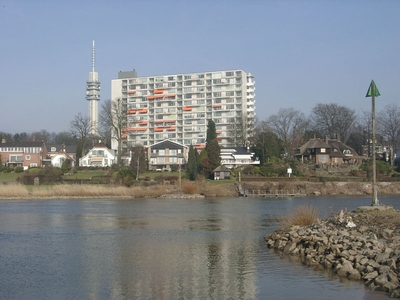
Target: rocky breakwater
[{"x": 361, "y": 245}]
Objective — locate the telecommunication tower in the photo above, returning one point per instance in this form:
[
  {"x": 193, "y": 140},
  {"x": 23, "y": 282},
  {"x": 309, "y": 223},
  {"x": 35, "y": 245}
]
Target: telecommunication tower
[{"x": 93, "y": 96}]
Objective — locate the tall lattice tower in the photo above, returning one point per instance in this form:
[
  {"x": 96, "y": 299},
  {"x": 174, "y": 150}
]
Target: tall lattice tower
[{"x": 93, "y": 96}]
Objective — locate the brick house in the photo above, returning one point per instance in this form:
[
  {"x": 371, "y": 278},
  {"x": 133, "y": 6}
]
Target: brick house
[
  {"x": 22, "y": 154},
  {"x": 328, "y": 151}
]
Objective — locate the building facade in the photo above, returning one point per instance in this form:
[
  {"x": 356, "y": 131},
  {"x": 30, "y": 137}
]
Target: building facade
[
  {"x": 161, "y": 156},
  {"x": 177, "y": 107},
  {"x": 98, "y": 156},
  {"x": 22, "y": 154},
  {"x": 232, "y": 157}
]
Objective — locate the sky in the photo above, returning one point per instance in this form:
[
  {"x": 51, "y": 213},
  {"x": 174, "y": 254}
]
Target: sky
[{"x": 301, "y": 53}]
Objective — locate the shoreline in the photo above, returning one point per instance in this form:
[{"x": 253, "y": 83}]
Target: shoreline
[{"x": 203, "y": 188}]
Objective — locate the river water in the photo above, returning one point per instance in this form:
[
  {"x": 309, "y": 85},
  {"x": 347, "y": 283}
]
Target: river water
[{"x": 160, "y": 249}]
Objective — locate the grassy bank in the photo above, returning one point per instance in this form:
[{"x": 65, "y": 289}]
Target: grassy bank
[{"x": 206, "y": 188}]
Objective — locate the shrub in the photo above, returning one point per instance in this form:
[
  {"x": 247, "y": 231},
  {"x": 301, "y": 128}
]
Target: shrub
[
  {"x": 302, "y": 215},
  {"x": 190, "y": 187},
  {"x": 8, "y": 170},
  {"x": 19, "y": 169},
  {"x": 124, "y": 176}
]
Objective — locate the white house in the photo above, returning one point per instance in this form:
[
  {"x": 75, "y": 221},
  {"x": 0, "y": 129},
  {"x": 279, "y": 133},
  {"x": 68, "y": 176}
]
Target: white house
[
  {"x": 98, "y": 156},
  {"x": 58, "y": 159},
  {"x": 237, "y": 156}
]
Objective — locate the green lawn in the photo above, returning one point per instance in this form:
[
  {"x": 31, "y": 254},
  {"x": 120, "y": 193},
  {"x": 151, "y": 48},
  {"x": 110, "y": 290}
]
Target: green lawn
[
  {"x": 85, "y": 174},
  {"x": 10, "y": 176}
]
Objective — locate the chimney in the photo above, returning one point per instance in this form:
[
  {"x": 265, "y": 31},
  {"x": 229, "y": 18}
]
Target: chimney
[
  {"x": 3, "y": 141},
  {"x": 338, "y": 137},
  {"x": 326, "y": 139}
]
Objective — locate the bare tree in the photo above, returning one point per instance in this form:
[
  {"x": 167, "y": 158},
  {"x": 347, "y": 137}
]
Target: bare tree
[
  {"x": 388, "y": 126},
  {"x": 138, "y": 160},
  {"x": 237, "y": 131},
  {"x": 361, "y": 134},
  {"x": 113, "y": 119},
  {"x": 333, "y": 120},
  {"x": 265, "y": 142},
  {"x": 289, "y": 125},
  {"x": 80, "y": 127}
]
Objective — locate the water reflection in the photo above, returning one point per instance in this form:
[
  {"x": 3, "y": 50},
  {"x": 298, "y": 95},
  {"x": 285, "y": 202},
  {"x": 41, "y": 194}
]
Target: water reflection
[{"x": 155, "y": 249}]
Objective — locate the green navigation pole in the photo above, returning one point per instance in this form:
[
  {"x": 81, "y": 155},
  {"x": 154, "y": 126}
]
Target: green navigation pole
[{"x": 373, "y": 92}]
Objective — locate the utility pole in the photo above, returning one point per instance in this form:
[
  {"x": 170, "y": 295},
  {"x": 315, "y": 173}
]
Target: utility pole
[{"x": 373, "y": 92}]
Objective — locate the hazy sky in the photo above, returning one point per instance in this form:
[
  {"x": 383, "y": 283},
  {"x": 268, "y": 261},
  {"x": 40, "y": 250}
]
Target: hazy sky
[{"x": 300, "y": 52}]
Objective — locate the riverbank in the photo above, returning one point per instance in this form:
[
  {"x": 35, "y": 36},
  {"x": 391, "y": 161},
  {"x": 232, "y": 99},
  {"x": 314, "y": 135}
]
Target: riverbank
[
  {"x": 204, "y": 188},
  {"x": 361, "y": 245}
]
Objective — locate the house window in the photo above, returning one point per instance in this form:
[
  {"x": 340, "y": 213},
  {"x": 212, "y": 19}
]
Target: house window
[
  {"x": 15, "y": 158},
  {"x": 53, "y": 149},
  {"x": 323, "y": 150},
  {"x": 27, "y": 157},
  {"x": 33, "y": 165},
  {"x": 161, "y": 152},
  {"x": 323, "y": 158}
]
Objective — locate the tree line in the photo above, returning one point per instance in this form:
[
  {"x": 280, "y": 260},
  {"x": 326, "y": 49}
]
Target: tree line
[
  {"x": 278, "y": 136},
  {"x": 281, "y": 134}
]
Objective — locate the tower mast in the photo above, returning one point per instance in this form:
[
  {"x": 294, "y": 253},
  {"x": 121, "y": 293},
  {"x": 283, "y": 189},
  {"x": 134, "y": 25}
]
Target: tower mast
[{"x": 93, "y": 95}]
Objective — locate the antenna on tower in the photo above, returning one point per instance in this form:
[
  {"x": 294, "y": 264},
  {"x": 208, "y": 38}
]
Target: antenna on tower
[{"x": 93, "y": 56}]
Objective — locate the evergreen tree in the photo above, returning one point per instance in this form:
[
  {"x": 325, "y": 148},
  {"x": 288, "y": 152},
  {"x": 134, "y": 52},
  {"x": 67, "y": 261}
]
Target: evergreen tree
[
  {"x": 214, "y": 155},
  {"x": 203, "y": 163},
  {"x": 211, "y": 132},
  {"x": 192, "y": 165}
]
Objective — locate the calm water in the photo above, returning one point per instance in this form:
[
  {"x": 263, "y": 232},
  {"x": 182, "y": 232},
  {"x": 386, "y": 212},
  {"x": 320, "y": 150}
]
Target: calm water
[{"x": 159, "y": 249}]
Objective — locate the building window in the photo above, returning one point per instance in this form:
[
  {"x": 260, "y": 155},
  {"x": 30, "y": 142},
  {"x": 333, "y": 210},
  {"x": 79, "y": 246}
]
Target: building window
[
  {"x": 323, "y": 150},
  {"x": 15, "y": 158},
  {"x": 28, "y": 157}
]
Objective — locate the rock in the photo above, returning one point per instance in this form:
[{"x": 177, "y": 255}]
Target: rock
[
  {"x": 381, "y": 280},
  {"x": 354, "y": 275},
  {"x": 395, "y": 293},
  {"x": 289, "y": 248},
  {"x": 368, "y": 253},
  {"x": 387, "y": 233},
  {"x": 381, "y": 257}
]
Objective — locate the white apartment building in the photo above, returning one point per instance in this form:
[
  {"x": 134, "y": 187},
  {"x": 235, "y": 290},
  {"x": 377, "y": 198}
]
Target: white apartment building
[{"x": 177, "y": 107}]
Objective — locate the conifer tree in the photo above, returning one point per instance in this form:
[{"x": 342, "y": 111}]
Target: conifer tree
[
  {"x": 214, "y": 155},
  {"x": 192, "y": 166},
  {"x": 213, "y": 150},
  {"x": 211, "y": 132}
]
